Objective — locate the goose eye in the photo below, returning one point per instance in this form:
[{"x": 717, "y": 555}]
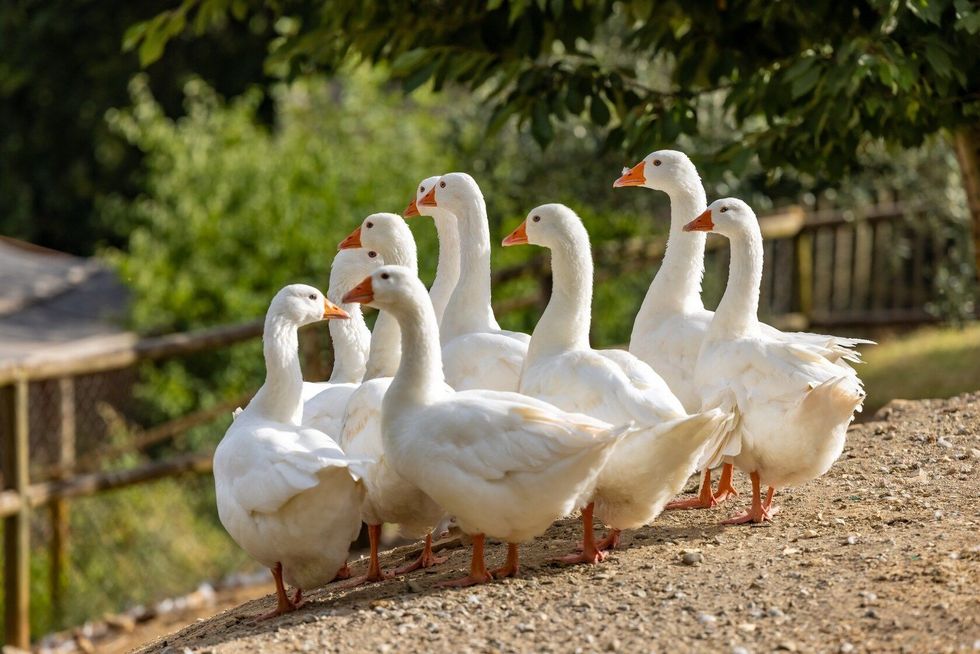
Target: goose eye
[
  {"x": 385, "y": 275},
  {"x": 657, "y": 162},
  {"x": 421, "y": 189},
  {"x": 442, "y": 184},
  {"x": 370, "y": 225},
  {"x": 536, "y": 219},
  {"x": 372, "y": 254},
  {"x": 312, "y": 296},
  {"x": 724, "y": 209}
]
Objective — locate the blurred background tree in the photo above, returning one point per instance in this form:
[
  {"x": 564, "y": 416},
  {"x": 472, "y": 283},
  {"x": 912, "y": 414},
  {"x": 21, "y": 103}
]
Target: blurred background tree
[
  {"x": 61, "y": 68},
  {"x": 802, "y": 85}
]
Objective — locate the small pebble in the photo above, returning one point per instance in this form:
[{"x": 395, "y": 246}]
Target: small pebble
[
  {"x": 845, "y": 648},
  {"x": 707, "y": 619},
  {"x": 851, "y": 540},
  {"x": 942, "y": 442},
  {"x": 692, "y": 558}
]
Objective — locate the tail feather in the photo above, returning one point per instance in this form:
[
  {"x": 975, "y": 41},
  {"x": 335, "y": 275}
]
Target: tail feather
[
  {"x": 725, "y": 440},
  {"x": 834, "y": 401}
]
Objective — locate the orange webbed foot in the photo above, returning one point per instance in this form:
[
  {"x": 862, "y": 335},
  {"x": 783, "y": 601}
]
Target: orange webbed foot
[{"x": 426, "y": 559}]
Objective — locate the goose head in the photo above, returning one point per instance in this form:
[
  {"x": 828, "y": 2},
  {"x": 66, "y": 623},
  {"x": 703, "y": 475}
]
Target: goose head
[
  {"x": 385, "y": 234},
  {"x": 548, "y": 225},
  {"x": 302, "y": 304},
  {"x": 388, "y": 288},
  {"x": 349, "y": 267},
  {"x": 451, "y": 192},
  {"x": 728, "y": 217},
  {"x": 415, "y": 209},
  {"x": 663, "y": 170}
]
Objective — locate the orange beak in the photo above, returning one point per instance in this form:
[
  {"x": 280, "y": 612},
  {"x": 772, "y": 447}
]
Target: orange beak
[
  {"x": 362, "y": 293},
  {"x": 412, "y": 210},
  {"x": 701, "y": 224},
  {"x": 352, "y": 241},
  {"x": 632, "y": 177},
  {"x": 518, "y": 236},
  {"x": 429, "y": 199},
  {"x": 331, "y": 310}
]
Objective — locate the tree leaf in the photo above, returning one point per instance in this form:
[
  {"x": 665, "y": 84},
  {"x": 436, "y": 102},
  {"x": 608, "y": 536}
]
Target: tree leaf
[
  {"x": 541, "y": 128},
  {"x": 598, "y": 110}
]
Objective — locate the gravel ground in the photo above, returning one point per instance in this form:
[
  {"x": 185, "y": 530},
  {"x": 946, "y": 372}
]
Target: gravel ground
[{"x": 881, "y": 554}]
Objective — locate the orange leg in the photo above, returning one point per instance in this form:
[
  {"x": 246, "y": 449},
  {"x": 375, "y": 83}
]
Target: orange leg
[
  {"x": 478, "y": 569},
  {"x": 590, "y": 553},
  {"x": 760, "y": 510},
  {"x": 343, "y": 573},
  {"x": 374, "y": 572},
  {"x": 426, "y": 559},
  {"x": 610, "y": 542},
  {"x": 725, "y": 488},
  {"x": 705, "y": 499},
  {"x": 511, "y": 568},
  {"x": 284, "y": 604}
]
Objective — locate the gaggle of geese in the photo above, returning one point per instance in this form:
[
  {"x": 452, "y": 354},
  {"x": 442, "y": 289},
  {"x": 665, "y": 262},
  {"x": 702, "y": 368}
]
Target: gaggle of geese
[{"x": 439, "y": 412}]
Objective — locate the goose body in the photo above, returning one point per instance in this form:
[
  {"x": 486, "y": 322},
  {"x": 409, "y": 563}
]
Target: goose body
[
  {"x": 287, "y": 494},
  {"x": 477, "y": 353},
  {"x": 672, "y": 322},
  {"x": 790, "y": 404},
  {"x": 324, "y": 403},
  {"x": 504, "y": 464},
  {"x": 653, "y": 462},
  {"x": 389, "y": 498}
]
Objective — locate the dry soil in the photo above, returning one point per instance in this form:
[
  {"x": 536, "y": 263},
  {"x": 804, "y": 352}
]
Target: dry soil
[{"x": 881, "y": 554}]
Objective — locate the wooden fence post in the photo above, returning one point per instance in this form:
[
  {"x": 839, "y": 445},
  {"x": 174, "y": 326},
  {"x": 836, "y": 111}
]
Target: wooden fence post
[
  {"x": 16, "y": 528},
  {"x": 804, "y": 272},
  {"x": 59, "y": 507}
]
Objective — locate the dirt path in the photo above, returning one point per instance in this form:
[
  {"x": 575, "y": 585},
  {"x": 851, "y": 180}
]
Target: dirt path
[{"x": 882, "y": 554}]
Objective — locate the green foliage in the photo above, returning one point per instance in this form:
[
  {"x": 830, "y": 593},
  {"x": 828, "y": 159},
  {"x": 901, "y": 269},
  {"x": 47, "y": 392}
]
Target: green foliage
[
  {"x": 131, "y": 547},
  {"x": 802, "y": 84},
  {"x": 61, "y": 68},
  {"x": 233, "y": 210}
]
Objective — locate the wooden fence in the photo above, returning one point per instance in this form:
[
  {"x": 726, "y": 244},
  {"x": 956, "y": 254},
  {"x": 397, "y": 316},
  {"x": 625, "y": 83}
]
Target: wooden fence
[{"x": 822, "y": 269}]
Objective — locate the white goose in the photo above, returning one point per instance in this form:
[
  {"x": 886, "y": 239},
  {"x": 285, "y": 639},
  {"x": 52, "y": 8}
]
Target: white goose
[
  {"x": 325, "y": 402},
  {"x": 506, "y": 465},
  {"x": 447, "y": 230},
  {"x": 476, "y": 353},
  {"x": 791, "y": 406},
  {"x": 389, "y": 497},
  {"x": 672, "y": 321},
  {"x": 651, "y": 464},
  {"x": 287, "y": 494}
]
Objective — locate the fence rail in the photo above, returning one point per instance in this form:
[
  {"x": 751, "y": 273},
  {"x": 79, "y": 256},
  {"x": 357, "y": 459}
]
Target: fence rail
[{"x": 844, "y": 270}]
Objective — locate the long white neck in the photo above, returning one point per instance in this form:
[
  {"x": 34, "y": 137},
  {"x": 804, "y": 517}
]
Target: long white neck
[
  {"x": 279, "y": 398},
  {"x": 447, "y": 267},
  {"x": 419, "y": 378},
  {"x": 386, "y": 349},
  {"x": 738, "y": 311},
  {"x": 564, "y": 325},
  {"x": 469, "y": 307},
  {"x": 677, "y": 286},
  {"x": 351, "y": 343}
]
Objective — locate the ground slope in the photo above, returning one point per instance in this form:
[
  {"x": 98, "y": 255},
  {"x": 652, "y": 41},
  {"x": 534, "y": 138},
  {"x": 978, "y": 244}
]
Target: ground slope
[{"x": 882, "y": 554}]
